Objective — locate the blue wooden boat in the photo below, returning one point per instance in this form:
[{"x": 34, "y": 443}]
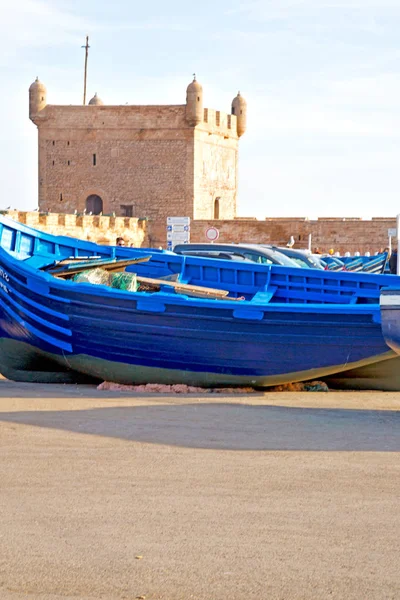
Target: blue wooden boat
[
  {"x": 390, "y": 309},
  {"x": 367, "y": 264},
  {"x": 275, "y": 326}
]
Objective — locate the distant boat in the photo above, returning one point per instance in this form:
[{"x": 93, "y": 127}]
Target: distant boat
[
  {"x": 390, "y": 308},
  {"x": 366, "y": 264},
  {"x": 51, "y": 326}
]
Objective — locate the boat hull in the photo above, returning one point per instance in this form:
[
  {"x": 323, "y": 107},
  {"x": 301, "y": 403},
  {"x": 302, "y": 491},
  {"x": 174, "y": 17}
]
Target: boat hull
[
  {"x": 382, "y": 375},
  {"x": 83, "y": 368},
  {"x": 140, "y": 337},
  {"x": 390, "y": 310},
  {"x": 25, "y": 363},
  {"x": 162, "y": 338}
]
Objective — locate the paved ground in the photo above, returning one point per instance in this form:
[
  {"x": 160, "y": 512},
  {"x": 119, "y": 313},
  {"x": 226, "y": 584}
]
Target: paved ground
[{"x": 282, "y": 496}]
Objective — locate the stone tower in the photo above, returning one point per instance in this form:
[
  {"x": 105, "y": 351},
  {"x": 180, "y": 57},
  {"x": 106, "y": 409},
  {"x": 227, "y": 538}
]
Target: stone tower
[
  {"x": 37, "y": 99},
  {"x": 140, "y": 161}
]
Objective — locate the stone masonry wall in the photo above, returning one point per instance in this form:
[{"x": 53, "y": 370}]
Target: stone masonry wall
[
  {"x": 340, "y": 234},
  {"x": 343, "y": 235},
  {"x": 130, "y": 156},
  {"x": 146, "y": 159},
  {"x": 103, "y": 230},
  {"x": 159, "y": 180},
  {"x": 215, "y": 175}
]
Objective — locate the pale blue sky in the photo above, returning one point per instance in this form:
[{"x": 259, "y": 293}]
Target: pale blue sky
[{"x": 321, "y": 77}]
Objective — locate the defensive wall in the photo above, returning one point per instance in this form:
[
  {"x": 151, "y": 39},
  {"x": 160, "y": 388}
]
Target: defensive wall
[
  {"x": 343, "y": 235},
  {"x": 101, "y": 229}
]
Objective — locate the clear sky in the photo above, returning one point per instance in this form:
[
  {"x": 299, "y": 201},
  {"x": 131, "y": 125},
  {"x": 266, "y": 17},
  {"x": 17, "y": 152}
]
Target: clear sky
[{"x": 321, "y": 77}]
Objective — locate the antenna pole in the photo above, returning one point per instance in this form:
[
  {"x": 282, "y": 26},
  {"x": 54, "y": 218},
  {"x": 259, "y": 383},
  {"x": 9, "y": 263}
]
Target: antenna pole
[{"x": 86, "y": 46}]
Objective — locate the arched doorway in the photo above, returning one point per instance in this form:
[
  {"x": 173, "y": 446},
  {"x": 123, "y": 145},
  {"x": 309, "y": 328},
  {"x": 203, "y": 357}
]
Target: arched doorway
[
  {"x": 216, "y": 208},
  {"x": 94, "y": 204}
]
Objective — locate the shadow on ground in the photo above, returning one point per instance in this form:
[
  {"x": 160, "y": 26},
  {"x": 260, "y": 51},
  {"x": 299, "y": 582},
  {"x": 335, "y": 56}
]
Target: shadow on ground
[{"x": 229, "y": 426}]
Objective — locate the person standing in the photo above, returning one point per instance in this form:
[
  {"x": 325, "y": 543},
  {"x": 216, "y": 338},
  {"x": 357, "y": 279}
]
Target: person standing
[{"x": 393, "y": 262}]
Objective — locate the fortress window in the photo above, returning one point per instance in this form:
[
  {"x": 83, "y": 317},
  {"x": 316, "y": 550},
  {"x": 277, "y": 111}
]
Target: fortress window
[
  {"x": 127, "y": 210},
  {"x": 94, "y": 160},
  {"x": 233, "y": 110},
  {"x": 54, "y": 143},
  {"x": 67, "y": 143},
  {"x": 216, "y": 208},
  {"x": 61, "y": 198},
  {"x": 69, "y": 162},
  {"x": 53, "y": 163}
]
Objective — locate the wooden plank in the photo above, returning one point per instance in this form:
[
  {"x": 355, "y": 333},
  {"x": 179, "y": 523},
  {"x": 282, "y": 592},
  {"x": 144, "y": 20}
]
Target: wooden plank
[
  {"x": 184, "y": 288},
  {"x": 113, "y": 266},
  {"x": 155, "y": 284}
]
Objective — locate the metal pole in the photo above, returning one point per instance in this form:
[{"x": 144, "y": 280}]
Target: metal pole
[
  {"x": 390, "y": 245},
  {"x": 398, "y": 243},
  {"x": 309, "y": 241},
  {"x": 86, "y": 46}
]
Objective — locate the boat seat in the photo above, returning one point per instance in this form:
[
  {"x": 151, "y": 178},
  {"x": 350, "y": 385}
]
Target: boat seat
[
  {"x": 38, "y": 262},
  {"x": 263, "y": 297}
]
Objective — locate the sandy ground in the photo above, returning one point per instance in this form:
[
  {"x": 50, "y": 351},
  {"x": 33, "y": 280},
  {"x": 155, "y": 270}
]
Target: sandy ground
[{"x": 276, "y": 496}]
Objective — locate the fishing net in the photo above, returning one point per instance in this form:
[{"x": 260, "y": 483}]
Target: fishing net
[
  {"x": 96, "y": 276},
  {"x": 119, "y": 281},
  {"x": 124, "y": 281}
]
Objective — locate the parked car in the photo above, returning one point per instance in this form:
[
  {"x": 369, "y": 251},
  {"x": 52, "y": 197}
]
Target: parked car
[
  {"x": 303, "y": 258},
  {"x": 252, "y": 252},
  {"x": 210, "y": 254}
]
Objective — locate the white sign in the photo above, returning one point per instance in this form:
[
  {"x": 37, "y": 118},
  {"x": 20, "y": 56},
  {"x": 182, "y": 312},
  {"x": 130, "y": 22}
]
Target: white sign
[
  {"x": 178, "y": 221},
  {"x": 392, "y": 232},
  {"x": 212, "y": 234},
  {"x": 178, "y": 231},
  {"x": 181, "y": 237}
]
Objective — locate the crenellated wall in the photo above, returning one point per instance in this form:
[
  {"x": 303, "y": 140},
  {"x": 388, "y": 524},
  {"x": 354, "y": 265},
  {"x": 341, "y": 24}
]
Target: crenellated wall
[
  {"x": 341, "y": 234},
  {"x": 100, "y": 229},
  {"x": 218, "y": 121}
]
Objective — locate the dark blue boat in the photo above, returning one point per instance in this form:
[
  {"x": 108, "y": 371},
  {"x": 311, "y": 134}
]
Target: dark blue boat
[
  {"x": 367, "y": 264},
  {"x": 390, "y": 309},
  {"x": 275, "y": 326}
]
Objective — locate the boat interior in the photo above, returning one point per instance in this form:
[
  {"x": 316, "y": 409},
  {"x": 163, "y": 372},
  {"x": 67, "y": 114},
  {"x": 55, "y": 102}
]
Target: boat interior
[{"x": 63, "y": 257}]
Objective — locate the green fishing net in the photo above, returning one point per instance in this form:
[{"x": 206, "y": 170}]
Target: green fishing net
[
  {"x": 119, "y": 281},
  {"x": 96, "y": 276},
  {"x": 124, "y": 281}
]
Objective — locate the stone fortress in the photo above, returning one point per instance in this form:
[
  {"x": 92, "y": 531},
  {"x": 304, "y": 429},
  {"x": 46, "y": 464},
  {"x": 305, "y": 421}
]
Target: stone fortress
[
  {"x": 106, "y": 171},
  {"x": 138, "y": 161}
]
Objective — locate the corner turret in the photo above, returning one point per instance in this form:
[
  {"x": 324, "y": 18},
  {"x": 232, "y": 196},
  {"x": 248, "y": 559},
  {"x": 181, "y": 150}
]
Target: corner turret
[
  {"x": 194, "y": 103},
  {"x": 239, "y": 108},
  {"x": 96, "y": 101},
  {"x": 37, "y": 98}
]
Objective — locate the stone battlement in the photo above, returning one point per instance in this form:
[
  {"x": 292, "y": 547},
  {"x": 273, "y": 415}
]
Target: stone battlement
[
  {"x": 108, "y": 117},
  {"x": 135, "y": 117},
  {"x": 101, "y": 229},
  {"x": 216, "y": 121}
]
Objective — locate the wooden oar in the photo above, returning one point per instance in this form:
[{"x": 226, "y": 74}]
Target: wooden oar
[
  {"x": 112, "y": 265},
  {"x": 183, "y": 288}
]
